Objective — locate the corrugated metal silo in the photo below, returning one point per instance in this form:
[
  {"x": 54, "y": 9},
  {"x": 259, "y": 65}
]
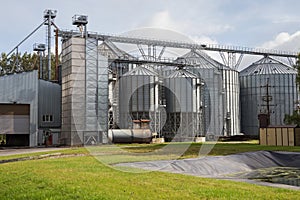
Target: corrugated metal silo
[
  {"x": 182, "y": 92},
  {"x": 267, "y": 83},
  {"x": 138, "y": 97},
  {"x": 220, "y": 94}
]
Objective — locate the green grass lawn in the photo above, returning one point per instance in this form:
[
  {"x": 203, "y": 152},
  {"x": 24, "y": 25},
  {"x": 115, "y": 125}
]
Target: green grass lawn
[{"x": 84, "y": 177}]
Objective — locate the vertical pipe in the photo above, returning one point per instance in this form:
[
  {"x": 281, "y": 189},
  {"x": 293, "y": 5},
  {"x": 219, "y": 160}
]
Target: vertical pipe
[
  {"x": 85, "y": 78},
  {"x": 49, "y": 46},
  {"x": 156, "y": 108},
  {"x": 198, "y": 107},
  {"x": 56, "y": 54},
  {"x": 41, "y": 64}
]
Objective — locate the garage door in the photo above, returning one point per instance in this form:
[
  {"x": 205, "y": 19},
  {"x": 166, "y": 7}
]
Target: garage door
[{"x": 14, "y": 119}]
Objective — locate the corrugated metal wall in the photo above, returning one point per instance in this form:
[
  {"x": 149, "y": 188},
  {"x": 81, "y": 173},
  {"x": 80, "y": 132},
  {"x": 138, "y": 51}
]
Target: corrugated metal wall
[
  {"x": 22, "y": 88},
  {"x": 73, "y": 91},
  {"x": 84, "y": 92},
  {"x": 213, "y": 99},
  {"x": 281, "y": 80},
  {"x": 232, "y": 102},
  {"x": 182, "y": 91},
  {"x": 49, "y": 103},
  {"x": 138, "y": 97},
  {"x": 284, "y": 95},
  {"x": 220, "y": 94}
]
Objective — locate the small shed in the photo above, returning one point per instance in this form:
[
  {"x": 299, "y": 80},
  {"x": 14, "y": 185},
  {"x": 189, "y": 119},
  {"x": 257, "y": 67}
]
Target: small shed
[{"x": 283, "y": 135}]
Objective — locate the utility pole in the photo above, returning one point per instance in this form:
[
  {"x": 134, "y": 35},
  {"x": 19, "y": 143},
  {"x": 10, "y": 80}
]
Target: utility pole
[{"x": 265, "y": 117}]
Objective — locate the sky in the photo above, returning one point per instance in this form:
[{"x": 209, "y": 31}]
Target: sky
[{"x": 271, "y": 24}]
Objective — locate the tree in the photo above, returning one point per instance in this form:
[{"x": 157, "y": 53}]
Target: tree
[
  {"x": 25, "y": 62},
  {"x": 4, "y": 62},
  {"x": 293, "y": 119}
]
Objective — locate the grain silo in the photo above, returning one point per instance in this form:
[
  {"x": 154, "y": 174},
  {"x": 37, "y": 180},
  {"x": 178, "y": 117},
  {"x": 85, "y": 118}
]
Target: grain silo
[
  {"x": 182, "y": 92},
  {"x": 138, "y": 99},
  {"x": 268, "y": 87},
  {"x": 220, "y": 99}
]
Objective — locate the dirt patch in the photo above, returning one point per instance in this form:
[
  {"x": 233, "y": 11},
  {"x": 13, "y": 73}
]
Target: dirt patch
[{"x": 53, "y": 155}]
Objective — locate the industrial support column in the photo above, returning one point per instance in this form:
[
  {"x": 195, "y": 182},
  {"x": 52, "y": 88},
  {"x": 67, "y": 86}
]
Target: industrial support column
[
  {"x": 49, "y": 48},
  {"x": 49, "y": 15}
]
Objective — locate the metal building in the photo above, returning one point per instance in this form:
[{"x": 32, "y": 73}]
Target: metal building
[
  {"x": 49, "y": 109},
  {"x": 220, "y": 99},
  {"x": 29, "y": 109},
  {"x": 183, "y": 106},
  {"x": 138, "y": 97},
  {"x": 84, "y": 92},
  {"x": 267, "y": 87}
]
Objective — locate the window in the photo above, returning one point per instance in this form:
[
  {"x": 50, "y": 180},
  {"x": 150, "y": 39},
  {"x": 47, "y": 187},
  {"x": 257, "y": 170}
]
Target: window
[{"x": 47, "y": 118}]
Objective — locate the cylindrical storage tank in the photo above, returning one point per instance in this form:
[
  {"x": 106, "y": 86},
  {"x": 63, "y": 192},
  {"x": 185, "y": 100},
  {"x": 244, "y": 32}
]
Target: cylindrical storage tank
[
  {"x": 267, "y": 86},
  {"x": 138, "y": 96},
  {"x": 130, "y": 135},
  {"x": 220, "y": 94},
  {"x": 182, "y": 105}
]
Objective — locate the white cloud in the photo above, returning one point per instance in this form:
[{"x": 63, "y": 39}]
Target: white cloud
[
  {"x": 284, "y": 41},
  {"x": 204, "y": 40}
]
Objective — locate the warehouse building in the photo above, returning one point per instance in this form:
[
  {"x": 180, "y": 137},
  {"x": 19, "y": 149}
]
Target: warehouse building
[{"x": 29, "y": 110}]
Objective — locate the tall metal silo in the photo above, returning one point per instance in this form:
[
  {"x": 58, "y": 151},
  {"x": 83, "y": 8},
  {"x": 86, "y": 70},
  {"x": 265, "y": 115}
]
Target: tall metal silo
[
  {"x": 220, "y": 94},
  {"x": 182, "y": 92},
  {"x": 267, "y": 87},
  {"x": 138, "y": 99}
]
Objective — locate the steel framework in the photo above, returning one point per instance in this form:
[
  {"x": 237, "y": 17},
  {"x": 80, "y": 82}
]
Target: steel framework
[{"x": 230, "y": 59}]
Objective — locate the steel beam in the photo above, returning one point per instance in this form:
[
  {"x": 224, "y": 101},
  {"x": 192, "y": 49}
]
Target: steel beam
[{"x": 182, "y": 45}]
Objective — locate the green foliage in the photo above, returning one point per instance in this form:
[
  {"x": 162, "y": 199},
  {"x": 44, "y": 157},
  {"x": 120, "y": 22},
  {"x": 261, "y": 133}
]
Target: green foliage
[
  {"x": 293, "y": 119},
  {"x": 27, "y": 62}
]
